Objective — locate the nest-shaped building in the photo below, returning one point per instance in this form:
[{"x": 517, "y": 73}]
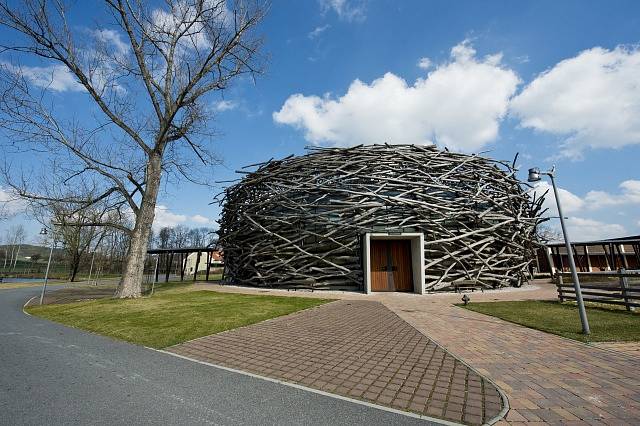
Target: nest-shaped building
[{"x": 378, "y": 218}]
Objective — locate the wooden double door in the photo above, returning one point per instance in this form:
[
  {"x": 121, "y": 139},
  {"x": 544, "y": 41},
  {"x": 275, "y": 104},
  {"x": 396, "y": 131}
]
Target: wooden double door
[{"x": 391, "y": 265}]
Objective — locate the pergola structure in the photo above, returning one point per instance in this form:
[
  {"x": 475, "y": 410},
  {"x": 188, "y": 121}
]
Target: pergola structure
[
  {"x": 592, "y": 256},
  {"x": 167, "y": 256}
]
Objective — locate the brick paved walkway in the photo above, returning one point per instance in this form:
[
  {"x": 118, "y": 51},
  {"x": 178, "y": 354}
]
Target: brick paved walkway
[
  {"x": 358, "y": 349},
  {"x": 546, "y": 378}
]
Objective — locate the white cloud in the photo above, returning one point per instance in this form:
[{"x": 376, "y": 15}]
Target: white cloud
[
  {"x": 113, "y": 38},
  {"x": 318, "y": 30},
  {"x": 424, "y": 63},
  {"x": 224, "y": 105},
  {"x": 459, "y": 105},
  {"x": 630, "y": 194},
  {"x": 58, "y": 78},
  {"x": 570, "y": 202},
  {"x": 593, "y": 200},
  {"x": 200, "y": 219},
  {"x": 165, "y": 217},
  {"x": 591, "y": 100},
  {"x": 347, "y": 10},
  {"x": 9, "y": 204},
  {"x": 581, "y": 229},
  {"x": 165, "y": 22},
  {"x": 54, "y": 77}
]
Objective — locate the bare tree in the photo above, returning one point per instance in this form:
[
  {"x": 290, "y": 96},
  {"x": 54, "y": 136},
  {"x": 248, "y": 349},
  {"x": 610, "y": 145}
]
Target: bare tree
[
  {"x": 200, "y": 237},
  {"x": 150, "y": 72},
  {"x": 546, "y": 234},
  {"x": 164, "y": 237},
  {"x": 180, "y": 236},
  {"x": 14, "y": 238},
  {"x": 4, "y": 210},
  {"x": 77, "y": 238},
  {"x": 5, "y": 246},
  {"x": 18, "y": 241}
]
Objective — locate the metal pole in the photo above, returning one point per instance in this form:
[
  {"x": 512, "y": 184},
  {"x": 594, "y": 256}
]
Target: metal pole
[
  {"x": 155, "y": 274},
  {"x": 91, "y": 268},
  {"x": 46, "y": 275},
  {"x": 572, "y": 265}
]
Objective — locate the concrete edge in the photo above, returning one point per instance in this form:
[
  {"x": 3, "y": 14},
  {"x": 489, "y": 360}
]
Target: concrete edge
[
  {"x": 592, "y": 345},
  {"x": 25, "y": 306},
  {"x": 611, "y": 351},
  {"x": 505, "y": 401},
  {"x": 316, "y": 391}
]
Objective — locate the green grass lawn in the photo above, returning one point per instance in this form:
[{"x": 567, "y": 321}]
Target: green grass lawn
[
  {"x": 607, "y": 324},
  {"x": 172, "y": 316}
]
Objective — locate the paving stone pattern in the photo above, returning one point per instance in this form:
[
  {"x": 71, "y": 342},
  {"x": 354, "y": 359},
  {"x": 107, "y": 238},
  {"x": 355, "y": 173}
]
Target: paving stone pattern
[
  {"x": 547, "y": 379},
  {"x": 358, "y": 349}
]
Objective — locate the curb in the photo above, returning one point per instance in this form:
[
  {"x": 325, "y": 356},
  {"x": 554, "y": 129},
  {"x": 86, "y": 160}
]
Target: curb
[
  {"x": 316, "y": 391},
  {"x": 505, "y": 401},
  {"x": 25, "y": 305}
]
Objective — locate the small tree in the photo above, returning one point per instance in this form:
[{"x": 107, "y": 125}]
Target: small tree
[
  {"x": 148, "y": 74},
  {"x": 164, "y": 237},
  {"x": 15, "y": 236}
]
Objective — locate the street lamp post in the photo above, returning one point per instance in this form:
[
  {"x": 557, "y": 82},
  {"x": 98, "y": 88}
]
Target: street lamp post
[
  {"x": 534, "y": 176},
  {"x": 91, "y": 268},
  {"x": 43, "y": 231},
  {"x": 155, "y": 274}
]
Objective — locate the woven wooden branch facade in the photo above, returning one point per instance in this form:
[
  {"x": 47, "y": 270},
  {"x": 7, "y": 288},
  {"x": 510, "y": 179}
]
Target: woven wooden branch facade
[{"x": 301, "y": 221}]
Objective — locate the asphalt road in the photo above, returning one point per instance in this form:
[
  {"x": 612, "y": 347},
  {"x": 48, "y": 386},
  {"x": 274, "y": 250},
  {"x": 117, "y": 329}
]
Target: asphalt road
[{"x": 51, "y": 374}]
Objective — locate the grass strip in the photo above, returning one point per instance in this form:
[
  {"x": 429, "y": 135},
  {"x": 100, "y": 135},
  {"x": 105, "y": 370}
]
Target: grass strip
[
  {"x": 172, "y": 316},
  {"x": 607, "y": 324}
]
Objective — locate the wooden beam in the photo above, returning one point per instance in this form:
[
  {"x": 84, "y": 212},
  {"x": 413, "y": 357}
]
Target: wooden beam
[
  {"x": 606, "y": 258},
  {"x": 588, "y": 256},
  {"x": 195, "y": 272},
  {"x": 168, "y": 267},
  {"x": 208, "y": 265}
]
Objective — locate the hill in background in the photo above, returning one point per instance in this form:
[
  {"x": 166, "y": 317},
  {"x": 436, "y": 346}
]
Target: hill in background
[{"x": 28, "y": 250}]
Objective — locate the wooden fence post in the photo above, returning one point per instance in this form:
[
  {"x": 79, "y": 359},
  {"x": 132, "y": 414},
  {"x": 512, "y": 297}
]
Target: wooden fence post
[
  {"x": 560, "y": 282},
  {"x": 624, "y": 286},
  {"x": 169, "y": 264}
]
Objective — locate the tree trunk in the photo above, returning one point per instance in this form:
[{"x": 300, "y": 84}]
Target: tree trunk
[
  {"x": 15, "y": 262},
  {"x": 73, "y": 270},
  {"x": 13, "y": 251},
  {"x": 131, "y": 282}
]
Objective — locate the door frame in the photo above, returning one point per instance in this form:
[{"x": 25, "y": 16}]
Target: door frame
[{"x": 417, "y": 257}]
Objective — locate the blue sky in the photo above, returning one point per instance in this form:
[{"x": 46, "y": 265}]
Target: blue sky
[{"x": 558, "y": 82}]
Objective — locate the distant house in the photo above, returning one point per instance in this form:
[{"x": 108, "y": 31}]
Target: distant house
[
  {"x": 592, "y": 256},
  {"x": 200, "y": 259}
]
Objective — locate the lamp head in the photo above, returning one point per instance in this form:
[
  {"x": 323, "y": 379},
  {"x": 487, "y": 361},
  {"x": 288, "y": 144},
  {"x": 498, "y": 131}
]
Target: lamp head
[
  {"x": 43, "y": 231},
  {"x": 534, "y": 175}
]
